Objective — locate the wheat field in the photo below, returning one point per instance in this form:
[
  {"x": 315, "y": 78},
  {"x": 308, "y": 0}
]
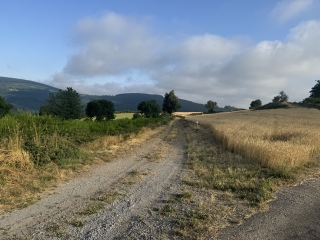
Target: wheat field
[{"x": 277, "y": 137}]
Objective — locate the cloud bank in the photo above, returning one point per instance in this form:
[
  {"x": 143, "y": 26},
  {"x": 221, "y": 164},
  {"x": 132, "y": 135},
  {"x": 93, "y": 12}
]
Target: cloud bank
[
  {"x": 288, "y": 9},
  {"x": 117, "y": 54}
]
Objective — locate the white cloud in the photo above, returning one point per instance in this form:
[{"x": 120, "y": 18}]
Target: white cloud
[
  {"x": 288, "y": 9},
  {"x": 198, "y": 68},
  {"x": 111, "y": 45}
]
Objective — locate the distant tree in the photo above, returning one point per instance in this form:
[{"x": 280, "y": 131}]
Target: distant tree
[
  {"x": 101, "y": 109},
  {"x": 65, "y": 104},
  {"x": 282, "y": 97},
  {"x": 315, "y": 90},
  {"x": 210, "y": 105},
  {"x": 4, "y": 107},
  {"x": 149, "y": 108},
  {"x": 255, "y": 104},
  {"x": 170, "y": 102}
]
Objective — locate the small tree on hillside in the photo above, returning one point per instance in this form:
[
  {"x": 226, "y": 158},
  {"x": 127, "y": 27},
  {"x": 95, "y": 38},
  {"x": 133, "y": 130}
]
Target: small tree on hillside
[
  {"x": 282, "y": 97},
  {"x": 4, "y": 107},
  {"x": 255, "y": 104},
  {"x": 65, "y": 104},
  {"x": 170, "y": 102},
  {"x": 101, "y": 109},
  {"x": 315, "y": 90},
  {"x": 210, "y": 105},
  {"x": 149, "y": 108}
]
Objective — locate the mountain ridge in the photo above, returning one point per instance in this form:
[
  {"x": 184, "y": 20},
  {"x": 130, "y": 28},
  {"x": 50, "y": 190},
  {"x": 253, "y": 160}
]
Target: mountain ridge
[{"x": 27, "y": 95}]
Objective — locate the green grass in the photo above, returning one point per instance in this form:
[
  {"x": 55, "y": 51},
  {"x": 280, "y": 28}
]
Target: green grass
[
  {"x": 92, "y": 208},
  {"x": 77, "y": 223},
  {"x": 50, "y": 139}
]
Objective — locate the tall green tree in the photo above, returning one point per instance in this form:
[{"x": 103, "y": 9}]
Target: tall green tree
[
  {"x": 101, "y": 109},
  {"x": 282, "y": 97},
  {"x": 149, "y": 108},
  {"x": 170, "y": 102},
  {"x": 210, "y": 105},
  {"x": 255, "y": 104},
  {"x": 4, "y": 107},
  {"x": 65, "y": 104},
  {"x": 315, "y": 90}
]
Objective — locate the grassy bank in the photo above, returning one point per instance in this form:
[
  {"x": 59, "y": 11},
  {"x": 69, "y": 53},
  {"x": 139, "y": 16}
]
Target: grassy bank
[{"x": 38, "y": 151}]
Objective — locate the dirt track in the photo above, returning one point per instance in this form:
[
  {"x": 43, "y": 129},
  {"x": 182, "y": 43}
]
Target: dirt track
[
  {"x": 294, "y": 215},
  {"x": 142, "y": 180},
  {"x": 139, "y": 180}
]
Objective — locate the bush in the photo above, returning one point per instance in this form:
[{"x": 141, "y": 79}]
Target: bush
[
  {"x": 137, "y": 115},
  {"x": 312, "y": 100},
  {"x": 273, "y": 105},
  {"x": 51, "y": 139},
  {"x": 4, "y": 107}
]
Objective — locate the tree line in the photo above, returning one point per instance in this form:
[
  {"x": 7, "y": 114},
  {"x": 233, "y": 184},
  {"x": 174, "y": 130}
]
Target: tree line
[
  {"x": 67, "y": 105},
  {"x": 314, "y": 98}
]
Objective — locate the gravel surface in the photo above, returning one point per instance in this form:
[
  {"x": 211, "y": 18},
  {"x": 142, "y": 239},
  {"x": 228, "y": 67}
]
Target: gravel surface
[
  {"x": 294, "y": 215},
  {"x": 130, "y": 215},
  {"x": 143, "y": 178}
]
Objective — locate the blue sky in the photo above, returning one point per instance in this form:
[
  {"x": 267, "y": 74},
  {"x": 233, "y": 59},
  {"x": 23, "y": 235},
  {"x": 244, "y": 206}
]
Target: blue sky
[{"x": 229, "y": 51}]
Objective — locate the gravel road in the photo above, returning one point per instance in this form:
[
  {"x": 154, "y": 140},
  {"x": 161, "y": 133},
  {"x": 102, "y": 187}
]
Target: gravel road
[
  {"x": 142, "y": 178},
  {"x": 294, "y": 215},
  {"x": 130, "y": 215}
]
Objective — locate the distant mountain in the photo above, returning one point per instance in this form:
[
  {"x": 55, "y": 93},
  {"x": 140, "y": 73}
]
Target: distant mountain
[
  {"x": 24, "y": 94},
  {"x": 29, "y": 96}
]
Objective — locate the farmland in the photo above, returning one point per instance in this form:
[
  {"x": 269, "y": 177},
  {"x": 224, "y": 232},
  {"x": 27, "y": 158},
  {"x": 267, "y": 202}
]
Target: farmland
[
  {"x": 275, "y": 138},
  {"x": 186, "y": 181}
]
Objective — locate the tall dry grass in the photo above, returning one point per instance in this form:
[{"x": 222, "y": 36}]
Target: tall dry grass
[
  {"x": 37, "y": 152},
  {"x": 275, "y": 138}
]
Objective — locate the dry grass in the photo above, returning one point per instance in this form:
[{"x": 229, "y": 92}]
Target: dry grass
[
  {"x": 21, "y": 181},
  {"x": 275, "y": 138}
]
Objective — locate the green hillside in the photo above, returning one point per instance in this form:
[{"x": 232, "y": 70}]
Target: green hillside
[
  {"x": 29, "y": 96},
  {"x": 24, "y": 94}
]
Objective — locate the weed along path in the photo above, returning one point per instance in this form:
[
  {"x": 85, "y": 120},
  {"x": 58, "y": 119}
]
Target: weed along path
[{"x": 112, "y": 200}]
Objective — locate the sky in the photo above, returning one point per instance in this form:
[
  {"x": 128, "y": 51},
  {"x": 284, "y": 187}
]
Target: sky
[{"x": 228, "y": 51}]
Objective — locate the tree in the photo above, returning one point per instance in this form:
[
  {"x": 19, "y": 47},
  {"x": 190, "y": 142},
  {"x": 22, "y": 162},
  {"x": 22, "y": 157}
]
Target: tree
[
  {"x": 170, "y": 102},
  {"x": 255, "y": 104},
  {"x": 282, "y": 97},
  {"x": 101, "y": 109},
  {"x": 315, "y": 90},
  {"x": 149, "y": 108},
  {"x": 210, "y": 105},
  {"x": 65, "y": 104},
  {"x": 4, "y": 107}
]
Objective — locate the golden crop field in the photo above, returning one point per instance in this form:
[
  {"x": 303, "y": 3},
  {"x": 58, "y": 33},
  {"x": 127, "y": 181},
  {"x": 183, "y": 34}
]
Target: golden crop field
[
  {"x": 277, "y": 137},
  {"x": 124, "y": 115}
]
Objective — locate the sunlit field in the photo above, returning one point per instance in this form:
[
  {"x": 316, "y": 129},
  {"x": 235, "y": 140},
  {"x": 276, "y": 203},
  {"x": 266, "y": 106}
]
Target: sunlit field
[
  {"x": 277, "y": 137},
  {"x": 124, "y": 115}
]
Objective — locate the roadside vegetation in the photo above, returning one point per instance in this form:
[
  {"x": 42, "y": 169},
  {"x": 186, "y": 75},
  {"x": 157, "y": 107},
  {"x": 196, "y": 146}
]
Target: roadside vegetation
[{"x": 37, "y": 151}]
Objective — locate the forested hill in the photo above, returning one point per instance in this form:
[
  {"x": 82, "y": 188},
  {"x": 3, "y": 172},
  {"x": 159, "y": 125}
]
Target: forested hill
[
  {"x": 29, "y": 96},
  {"x": 24, "y": 94}
]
